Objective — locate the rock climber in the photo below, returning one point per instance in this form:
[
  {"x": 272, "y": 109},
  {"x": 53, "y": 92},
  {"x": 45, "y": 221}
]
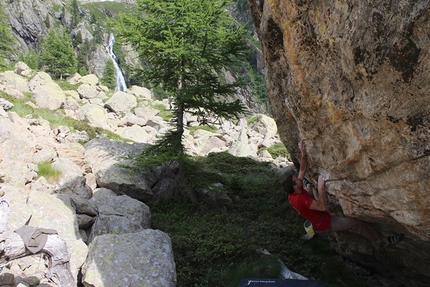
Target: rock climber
[{"x": 315, "y": 210}]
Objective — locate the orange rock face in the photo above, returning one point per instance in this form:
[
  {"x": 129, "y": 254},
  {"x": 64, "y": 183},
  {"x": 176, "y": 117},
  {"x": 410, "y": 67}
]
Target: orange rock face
[{"x": 352, "y": 79}]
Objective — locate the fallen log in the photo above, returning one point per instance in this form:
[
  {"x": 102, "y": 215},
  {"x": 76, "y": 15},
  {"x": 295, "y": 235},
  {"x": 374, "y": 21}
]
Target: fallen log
[{"x": 29, "y": 240}]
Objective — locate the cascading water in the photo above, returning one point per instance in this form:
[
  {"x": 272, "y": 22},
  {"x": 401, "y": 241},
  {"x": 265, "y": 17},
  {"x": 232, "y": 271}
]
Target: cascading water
[{"x": 120, "y": 80}]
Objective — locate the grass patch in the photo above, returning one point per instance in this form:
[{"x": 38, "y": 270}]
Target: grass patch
[
  {"x": 66, "y": 86},
  {"x": 216, "y": 245},
  {"x": 208, "y": 128},
  {"x": 164, "y": 113},
  {"x": 21, "y": 108},
  {"x": 278, "y": 149},
  {"x": 252, "y": 120},
  {"x": 47, "y": 171}
]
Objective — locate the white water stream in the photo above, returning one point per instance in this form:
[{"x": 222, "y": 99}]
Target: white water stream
[{"x": 120, "y": 80}]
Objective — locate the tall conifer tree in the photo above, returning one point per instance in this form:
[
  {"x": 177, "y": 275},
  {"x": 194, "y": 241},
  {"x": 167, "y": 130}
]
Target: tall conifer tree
[
  {"x": 185, "y": 46},
  {"x": 108, "y": 78},
  {"x": 57, "y": 56},
  {"x": 75, "y": 14},
  {"x": 6, "y": 39}
]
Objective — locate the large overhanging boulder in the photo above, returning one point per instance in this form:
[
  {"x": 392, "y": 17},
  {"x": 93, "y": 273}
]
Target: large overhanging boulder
[{"x": 351, "y": 78}]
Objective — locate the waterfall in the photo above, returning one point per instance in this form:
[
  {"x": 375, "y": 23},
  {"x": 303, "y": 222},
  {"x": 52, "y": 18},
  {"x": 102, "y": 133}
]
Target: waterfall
[{"x": 120, "y": 80}]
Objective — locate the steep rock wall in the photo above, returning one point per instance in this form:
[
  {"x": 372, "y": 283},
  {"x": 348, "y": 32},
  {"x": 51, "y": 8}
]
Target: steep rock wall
[{"x": 352, "y": 79}]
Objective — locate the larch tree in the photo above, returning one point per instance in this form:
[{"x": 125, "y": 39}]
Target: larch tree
[
  {"x": 6, "y": 39},
  {"x": 57, "y": 55},
  {"x": 185, "y": 46}
]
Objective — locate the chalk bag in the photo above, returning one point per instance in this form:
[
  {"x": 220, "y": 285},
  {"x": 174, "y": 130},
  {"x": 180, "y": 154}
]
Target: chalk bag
[{"x": 309, "y": 228}]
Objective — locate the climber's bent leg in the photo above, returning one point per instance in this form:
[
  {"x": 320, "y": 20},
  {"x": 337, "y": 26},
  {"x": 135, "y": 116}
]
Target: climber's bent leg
[{"x": 356, "y": 226}]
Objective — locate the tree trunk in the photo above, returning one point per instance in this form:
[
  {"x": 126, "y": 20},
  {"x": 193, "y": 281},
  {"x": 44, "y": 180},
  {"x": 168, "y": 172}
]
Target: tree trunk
[
  {"x": 180, "y": 126},
  {"x": 180, "y": 117}
]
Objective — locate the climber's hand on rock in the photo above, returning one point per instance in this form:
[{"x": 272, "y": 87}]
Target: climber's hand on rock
[
  {"x": 302, "y": 146},
  {"x": 321, "y": 182}
]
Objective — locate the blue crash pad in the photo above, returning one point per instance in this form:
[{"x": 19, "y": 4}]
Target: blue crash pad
[{"x": 265, "y": 282}]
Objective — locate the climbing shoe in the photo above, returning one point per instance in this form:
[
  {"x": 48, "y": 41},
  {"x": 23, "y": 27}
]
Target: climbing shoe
[{"x": 393, "y": 240}]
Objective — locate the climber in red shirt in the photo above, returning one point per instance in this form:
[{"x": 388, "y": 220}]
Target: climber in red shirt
[{"x": 315, "y": 210}]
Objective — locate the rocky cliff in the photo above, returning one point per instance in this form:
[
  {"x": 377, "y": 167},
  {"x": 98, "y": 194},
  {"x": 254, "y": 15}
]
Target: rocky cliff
[{"x": 351, "y": 78}]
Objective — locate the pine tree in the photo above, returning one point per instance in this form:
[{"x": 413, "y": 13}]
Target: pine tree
[
  {"x": 57, "y": 56},
  {"x": 93, "y": 19},
  {"x": 31, "y": 59},
  {"x": 82, "y": 64},
  {"x": 98, "y": 34},
  {"x": 186, "y": 45},
  {"x": 6, "y": 39},
  {"x": 75, "y": 14},
  {"x": 77, "y": 39},
  {"x": 108, "y": 78}
]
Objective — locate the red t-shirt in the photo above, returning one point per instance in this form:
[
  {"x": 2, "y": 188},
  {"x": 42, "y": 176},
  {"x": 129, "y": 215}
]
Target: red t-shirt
[{"x": 301, "y": 202}]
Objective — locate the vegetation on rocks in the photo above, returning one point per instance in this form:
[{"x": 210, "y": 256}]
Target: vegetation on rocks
[
  {"x": 25, "y": 108},
  {"x": 207, "y": 128}
]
